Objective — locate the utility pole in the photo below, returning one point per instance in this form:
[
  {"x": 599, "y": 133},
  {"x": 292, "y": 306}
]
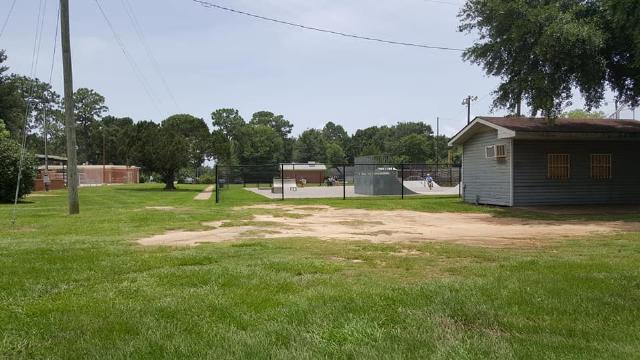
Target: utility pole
[
  {"x": 467, "y": 101},
  {"x": 104, "y": 156},
  {"x": 70, "y": 125},
  {"x": 437, "y": 153},
  {"x": 617, "y": 112}
]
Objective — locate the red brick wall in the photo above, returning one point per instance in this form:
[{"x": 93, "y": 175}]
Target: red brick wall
[{"x": 313, "y": 177}]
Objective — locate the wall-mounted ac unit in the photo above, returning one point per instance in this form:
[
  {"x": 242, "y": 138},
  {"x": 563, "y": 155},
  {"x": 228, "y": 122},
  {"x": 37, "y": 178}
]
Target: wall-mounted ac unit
[{"x": 496, "y": 151}]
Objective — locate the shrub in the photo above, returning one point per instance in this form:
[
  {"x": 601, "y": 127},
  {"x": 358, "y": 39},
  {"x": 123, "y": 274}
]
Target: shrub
[
  {"x": 9, "y": 165},
  {"x": 207, "y": 179}
]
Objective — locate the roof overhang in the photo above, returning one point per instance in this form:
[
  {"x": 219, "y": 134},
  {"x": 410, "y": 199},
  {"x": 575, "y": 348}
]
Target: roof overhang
[{"x": 479, "y": 125}]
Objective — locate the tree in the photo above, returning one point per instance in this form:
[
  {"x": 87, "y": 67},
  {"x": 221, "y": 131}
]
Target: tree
[
  {"x": 12, "y": 106},
  {"x": 119, "y": 137},
  {"x": 542, "y": 50},
  {"x": 334, "y": 155},
  {"x": 261, "y": 145},
  {"x": 311, "y": 146},
  {"x": 336, "y": 134},
  {"x": 281, "y": 126},
  {"x": 43, "y": 115},
  {"x": 195, "y": 132},
  {"x": 413, "y": 148},
  {"x": 583, "y": 114},
  {"x": 277, "y": 122},
  {"x": 10, "y": 153},
  {"x": 229, "y": 122},
  {"x": 161, "y": 149},
  {"x": 89, "y": 107},
  {"x": 228, "y": 125}
]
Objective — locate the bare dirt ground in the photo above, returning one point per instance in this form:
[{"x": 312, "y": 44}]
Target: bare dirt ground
[{"x": 327, "y": 223}]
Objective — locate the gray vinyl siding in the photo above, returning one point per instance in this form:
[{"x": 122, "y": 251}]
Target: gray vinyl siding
[
  {"x": 531, "y": 186},
  {"x": 486, "y": 181}
]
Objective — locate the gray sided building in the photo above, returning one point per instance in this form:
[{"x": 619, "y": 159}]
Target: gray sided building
[{"x": 515, "y": 161}]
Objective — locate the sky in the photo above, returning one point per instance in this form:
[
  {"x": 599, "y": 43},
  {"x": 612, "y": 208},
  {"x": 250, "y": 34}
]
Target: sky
[{"x": 194, "y": 60}]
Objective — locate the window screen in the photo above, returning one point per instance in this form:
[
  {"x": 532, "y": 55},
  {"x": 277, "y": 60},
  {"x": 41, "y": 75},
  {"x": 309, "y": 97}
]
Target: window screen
[
  {"x": 601, "y": 166},
  {"x": 558, "y": 166}
]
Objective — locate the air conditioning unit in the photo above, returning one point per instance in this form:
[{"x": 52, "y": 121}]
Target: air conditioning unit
[{"x": 496, "y": 151}]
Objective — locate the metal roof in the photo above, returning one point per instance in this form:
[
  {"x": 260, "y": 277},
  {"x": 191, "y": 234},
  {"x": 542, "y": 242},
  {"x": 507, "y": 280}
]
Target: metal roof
[
  {"x": 305, "y": 167},
  {"x": 566, "y": 125},
  {"x": 543, "y": 129}
]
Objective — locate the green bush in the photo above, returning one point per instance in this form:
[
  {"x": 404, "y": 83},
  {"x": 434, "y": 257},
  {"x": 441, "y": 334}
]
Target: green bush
[
  {"x": 9, "y": 165},
  {"x": 207, "y": 179}
]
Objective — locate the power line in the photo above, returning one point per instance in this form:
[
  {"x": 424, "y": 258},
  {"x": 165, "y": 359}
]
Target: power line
[
  {"x": 138, "y": 29},
  {"x": 339, "y": 33},
  {"x": 6, "y": 20},
  {"x": 130, "y": 60},
  {"x": 35, "y": 55}
]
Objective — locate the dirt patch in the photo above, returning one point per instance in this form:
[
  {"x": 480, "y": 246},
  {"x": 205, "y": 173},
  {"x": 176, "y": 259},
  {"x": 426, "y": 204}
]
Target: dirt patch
[
  {"x": 389, "y": 227},
  {"x": 42, "y": 195},
  {"x": 161, "y": 208}
]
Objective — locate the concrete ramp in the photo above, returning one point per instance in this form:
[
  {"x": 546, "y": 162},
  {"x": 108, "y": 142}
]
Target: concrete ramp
[{"x": 419, "y": 187}]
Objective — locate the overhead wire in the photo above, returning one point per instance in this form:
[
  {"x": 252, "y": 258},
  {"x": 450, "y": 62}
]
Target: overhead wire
[
  {"x": 6, "y": 20},
  {"x": 134, "y": 66},
  {"x": 129, "y": 10},
  {"x": 208, "y": 4},
  {"x": 35, "y": 55},
  {"x": 44, "y": 113}
]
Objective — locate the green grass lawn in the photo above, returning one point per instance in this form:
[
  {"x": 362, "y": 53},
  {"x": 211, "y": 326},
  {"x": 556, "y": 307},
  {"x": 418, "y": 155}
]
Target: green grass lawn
[{"x": 80, "y": 287}]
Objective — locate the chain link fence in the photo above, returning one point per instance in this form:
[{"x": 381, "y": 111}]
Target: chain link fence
[{"x": 367, "y": 176}]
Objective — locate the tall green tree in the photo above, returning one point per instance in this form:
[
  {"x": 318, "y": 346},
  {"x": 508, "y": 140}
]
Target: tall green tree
[
  {"x": 335, "y": 133},
  {"x": 161, "y": 149},
  {"x": 543, "y": 50},
  {"x": 334, "y": 155},
  {"x": 89, "y": 107},
  {"x": 413, "y": 148},
  {"x": 277, "y": 122},
  {"x": 119, "y": 140},
  {"x": 196, "y": 133},
  {"x": 261, "y": 145},
  {"x": 311, "y": 146},
  {"x": 12, "y": 105},
  {"x": 228, "y": 122}
]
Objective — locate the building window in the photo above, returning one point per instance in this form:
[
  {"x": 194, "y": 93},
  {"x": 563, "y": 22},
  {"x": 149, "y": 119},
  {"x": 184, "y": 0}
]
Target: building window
[
  {"x": 601, "y": 166},
  {"x": 558, "y": 166}
]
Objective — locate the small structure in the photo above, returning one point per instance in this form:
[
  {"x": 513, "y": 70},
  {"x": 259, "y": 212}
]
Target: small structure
[
  {"x": 515, "y": 161},
  {"x": 56, "y": 176},
  {"x": 89, "y": 175},
  {"x": 313, "y": 172}
]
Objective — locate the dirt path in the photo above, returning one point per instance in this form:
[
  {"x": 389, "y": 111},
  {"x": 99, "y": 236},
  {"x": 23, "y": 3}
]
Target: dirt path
[
  {"x": 328, "y": 223},
  {"x": 206, "y": 194}
]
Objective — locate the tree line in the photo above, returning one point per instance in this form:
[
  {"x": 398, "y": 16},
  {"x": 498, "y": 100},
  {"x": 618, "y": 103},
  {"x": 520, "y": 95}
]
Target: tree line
[{"x": 184, "y": 141}]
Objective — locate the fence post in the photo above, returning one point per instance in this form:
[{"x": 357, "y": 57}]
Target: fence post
[
  {"x": 402, "y": 177},
  {"x": 344, "y": 182},
  {"x": 217, "y": 184},
  {"x": 282, "y": 179}
]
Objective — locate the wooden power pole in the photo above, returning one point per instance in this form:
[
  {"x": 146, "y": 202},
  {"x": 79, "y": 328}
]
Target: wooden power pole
[{"x": 70, "y": 125}]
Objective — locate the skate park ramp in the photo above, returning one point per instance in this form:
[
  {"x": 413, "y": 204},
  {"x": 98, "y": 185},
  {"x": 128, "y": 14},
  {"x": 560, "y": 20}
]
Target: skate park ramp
[
  {"x": 419, "y": 187},
  {"x": 390, "y": 184}
]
